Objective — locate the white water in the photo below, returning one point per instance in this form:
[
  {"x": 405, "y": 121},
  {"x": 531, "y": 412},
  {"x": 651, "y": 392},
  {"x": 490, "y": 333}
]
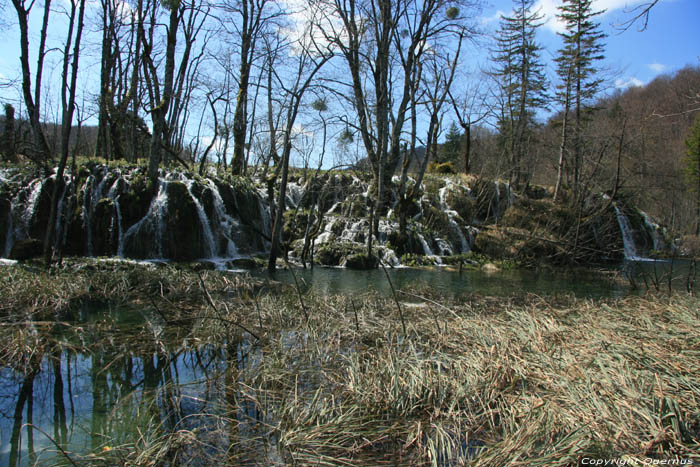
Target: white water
[
  {"x": 152, "y": 219},
  {"x": 203, "y": 221},
  {"x": 627, "y": 237},
  {"x": 226, "y": 223}
]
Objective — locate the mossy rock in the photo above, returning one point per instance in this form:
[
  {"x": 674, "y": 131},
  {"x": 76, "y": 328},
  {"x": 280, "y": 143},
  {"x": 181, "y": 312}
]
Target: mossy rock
[
  {"x": 5, "y": 213},
  {"x": 354, "y": 206},
  {"x": 105, "y": 232},
  {"x": 436, "y": 220},
  {"x": 135, "y": 202},
  {"x": 458, "y": 199},
  {"x": 494, "y": 244},
  {"x": 184, "y": 240},
  {"x": 444, "y": 168},
  {"x": 42, "y": 210},
  {"x": 409, "y": 244},
  {"x": 361, "y": 261},
  {"x": 333, "y": 254},
  {"x": 487, "y": 199},
  {"x": 26, "y": 249},
  {"x": 540, "y": 215},
  {"x": 295, "y": 223}
]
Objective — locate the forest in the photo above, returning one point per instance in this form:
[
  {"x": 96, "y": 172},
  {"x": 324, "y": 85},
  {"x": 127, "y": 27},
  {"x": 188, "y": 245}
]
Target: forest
[{"x": 253, "y": 88}]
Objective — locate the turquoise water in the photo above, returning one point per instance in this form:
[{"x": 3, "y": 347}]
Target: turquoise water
[{"x": 586, "y": 284}]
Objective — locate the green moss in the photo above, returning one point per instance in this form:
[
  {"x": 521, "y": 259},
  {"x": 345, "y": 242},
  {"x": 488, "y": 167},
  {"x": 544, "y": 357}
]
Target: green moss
[
  {"x": 333, "y": 253},
  {"x": 361, "y": 261},
  {"x": 459, "y": 200},
  {"x": 442, "y": 168}
]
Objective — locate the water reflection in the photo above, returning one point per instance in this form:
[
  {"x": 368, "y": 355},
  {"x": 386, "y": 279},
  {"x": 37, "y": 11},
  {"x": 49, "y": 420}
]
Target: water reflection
[{"x": 119, "y": 393}]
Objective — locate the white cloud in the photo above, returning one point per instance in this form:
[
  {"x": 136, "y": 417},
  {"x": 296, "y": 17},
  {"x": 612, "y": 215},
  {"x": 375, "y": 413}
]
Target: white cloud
[
  {"x": 493, "y": 18},
  {"x": 549, "y": 8},
  {"x": 657, "y": 67},
  {"x": 628, "y": 83}
]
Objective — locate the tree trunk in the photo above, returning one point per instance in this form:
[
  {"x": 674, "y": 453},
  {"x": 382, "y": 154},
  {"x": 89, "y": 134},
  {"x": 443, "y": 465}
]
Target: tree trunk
[{"x": 67, "y": 120}]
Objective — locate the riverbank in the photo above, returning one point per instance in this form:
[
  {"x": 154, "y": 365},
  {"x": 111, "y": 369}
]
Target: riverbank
[{"x": 346, "y": 380}]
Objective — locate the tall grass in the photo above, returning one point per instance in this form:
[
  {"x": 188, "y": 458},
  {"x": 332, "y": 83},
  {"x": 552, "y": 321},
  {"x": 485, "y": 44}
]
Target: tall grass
[{"x": 472, "y": 381}]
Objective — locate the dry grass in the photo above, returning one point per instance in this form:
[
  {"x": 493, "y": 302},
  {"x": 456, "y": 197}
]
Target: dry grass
[{"x": 488, "y": 381}]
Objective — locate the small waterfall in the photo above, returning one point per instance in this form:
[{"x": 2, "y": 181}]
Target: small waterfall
[
  {"x": 226, "y": 223},
  {"x": 153, "y": 219},
  {"x": 627, "y": 236},
  {"x": 203, "y": 221},
  {"x": 113, "y": 194},
  {"x": 60, "y": 217},
  {"x": 452, "y": 215},
  {"x": 653, "y": 229},
  {"x": 9, "y": 239}
]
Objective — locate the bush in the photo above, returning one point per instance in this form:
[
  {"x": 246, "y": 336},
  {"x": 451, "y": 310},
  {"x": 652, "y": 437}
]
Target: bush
[{"x": 442, "y": 168}]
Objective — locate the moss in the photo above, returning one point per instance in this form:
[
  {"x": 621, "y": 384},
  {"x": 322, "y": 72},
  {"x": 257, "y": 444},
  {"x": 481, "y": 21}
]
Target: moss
[
  {"x": 135, "y": 202},
  {"x": 441, "y": 168},
  {"x": 333, "y": 254},
  {"x": 459, "y": 200},
  {"x": 361, "y": 261},
  {"x": 409, "y": 244},
  {"x": 105, "y": 234},
  {"x": 183, "y": 232}
]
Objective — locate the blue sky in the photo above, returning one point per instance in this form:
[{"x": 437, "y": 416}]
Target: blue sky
[{"x": 670, "y": 42}]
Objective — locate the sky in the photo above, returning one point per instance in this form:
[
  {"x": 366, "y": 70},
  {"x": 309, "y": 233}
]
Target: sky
[
  {"x": 633, "y": 57},
  {"x": 670, "y": 41}
]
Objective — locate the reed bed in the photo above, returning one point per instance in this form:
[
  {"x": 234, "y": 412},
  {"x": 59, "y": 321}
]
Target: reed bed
[{"x": 473, "y": 381}]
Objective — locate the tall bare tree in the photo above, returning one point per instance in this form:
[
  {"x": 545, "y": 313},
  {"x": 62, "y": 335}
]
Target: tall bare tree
[
  {"x": 32, "y": 99},
  {"x": 372, "y": 36},
  {"x": 71, "y": 56}
]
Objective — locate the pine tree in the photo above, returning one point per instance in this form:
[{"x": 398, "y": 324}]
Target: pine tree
[
  {"x": 580, "y": 83},
  {"x": 520, "y": 73},
  {"x": 450, "y": 150}
]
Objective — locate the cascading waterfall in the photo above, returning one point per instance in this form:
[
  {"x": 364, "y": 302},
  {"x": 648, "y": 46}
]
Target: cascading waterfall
[
  {"x": 203, "y": 221},
  {"x": 153, "y": 219},
  {"x": 226, "y": 223},
  {"x": 113, "y": 194},
  {"x": 627, "y": 237},
  {"x": 10, "y": 234},
  {"x": 452, "y": 215}
]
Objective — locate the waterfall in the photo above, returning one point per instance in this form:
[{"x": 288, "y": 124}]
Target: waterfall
[
  {"x": 58, "y": 232},
  {"x": 203, "y": 220},
  {"x": 152, "y": 219},
  {"x": 114, "y": 196},
  {"x": 226, "y": 222},
  {"x": 627, "y": 237},
  {"x": 465, "y": 246},
  {"x": 10, "y": 235}
]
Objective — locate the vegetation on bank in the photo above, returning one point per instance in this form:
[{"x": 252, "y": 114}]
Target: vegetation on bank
[{"x": 483, "y": 380}]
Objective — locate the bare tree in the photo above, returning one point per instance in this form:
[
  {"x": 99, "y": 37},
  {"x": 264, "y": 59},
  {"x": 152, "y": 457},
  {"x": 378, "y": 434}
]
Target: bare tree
[
  {"x": 372, "y": 36},
  {"x": 247, "y": 23},
  {"x": 309, "y": 57},
  {"x": 32, "y": 100},
  {"x": 68, "y": 90}
]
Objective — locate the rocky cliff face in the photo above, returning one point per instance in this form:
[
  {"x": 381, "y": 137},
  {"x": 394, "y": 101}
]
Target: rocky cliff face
[{"x": 120, "y": 212}]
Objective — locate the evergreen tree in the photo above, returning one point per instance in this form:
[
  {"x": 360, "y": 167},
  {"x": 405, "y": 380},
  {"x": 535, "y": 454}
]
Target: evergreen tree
[
  {"x": 692, "y": 166},
  {"x": 520, "y": 73},
  {"x": 576, "y": 67},
  {"x": 450, "y": 149}
]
